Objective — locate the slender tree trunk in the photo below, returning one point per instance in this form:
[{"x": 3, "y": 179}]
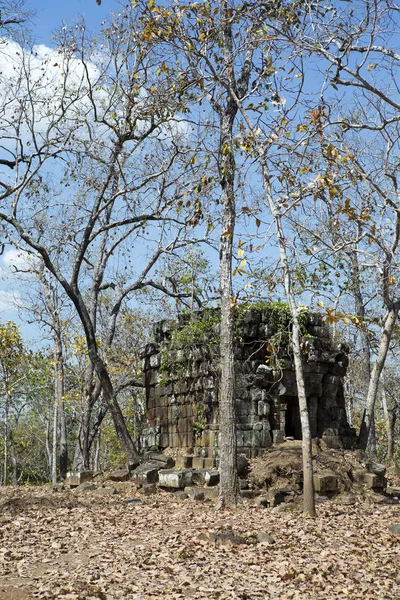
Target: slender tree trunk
[
  {"x": 14, "y": 459},
  {"x": 6, "y": 438},
  {"x": 61, "y": 410},
  {"x": 55, "y": 426},
  {"x": 47, "y": 442},
  {"x": 229, "y": 492},
  {"x": 386, "y": 335},
  {"x": 96, "y": 461},
  {"x": 388, "y": 423},
  {"x": 308, "y": 480},
  {"x": 365, "y": 345}
]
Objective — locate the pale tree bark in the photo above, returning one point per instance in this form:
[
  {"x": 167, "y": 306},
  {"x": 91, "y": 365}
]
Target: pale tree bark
[
  {"x": 389, "y": 422},
  {"x": 308, "y": 481},
  {"x": 385, "y": 338},
  {"x": 54, "y": 461}
]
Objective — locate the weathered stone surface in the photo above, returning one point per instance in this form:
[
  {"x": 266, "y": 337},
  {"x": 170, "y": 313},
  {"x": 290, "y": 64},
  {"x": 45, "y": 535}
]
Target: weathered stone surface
[
  {"x": 119, "y": 475},
  {"x": 175, "y": 479},
  {"x": 85, "y": 487},
  {"x": 197, "y": 496},
  {"x": 209, "y": 492},
  {"x": 374, "y": 481},
  {"x": 180, "y": 495},
  {"x": 393, "y": 491},
  {"x": 149, "y": 489},
  {"x": 205, "y": 477},
  {"x": 75, "y": 478},
  {"x": 146, "y": 473},
  {"x": 104, "y": 491},
  {"x": 325, "y": 483},
  {"x": 394, "y": 529},
  {"x": 265, "y": 538},
  {"x": 164, "y": 461},
  {"x": 183, "y": 410}
]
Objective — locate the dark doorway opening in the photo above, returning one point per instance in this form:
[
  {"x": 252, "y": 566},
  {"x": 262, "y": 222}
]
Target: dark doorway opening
[{"x": 292, "y": 418}]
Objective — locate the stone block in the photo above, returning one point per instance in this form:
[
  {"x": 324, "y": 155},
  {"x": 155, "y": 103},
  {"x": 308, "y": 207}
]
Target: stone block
[
  {"x": 197, "y": 496},
  {"x": 162, "y": 460},
  {"x": 75, "y": 478},
  {"x": 209, "y": 492},
  {"x": 146, "y": 473},
  {"x": 85, "y": 487},
  {"x": 209, "y": 463},
  {"x": 180, "y": 495},
  {"x": 119, "y": 475},
  {"x": 374, "y": 481},
  {"x": 278, "y": 436},
  {"x": 187, "y": 462},
  {"x": 325, "y": 483},
  {"x": 175, "y": 479},
  {"x": 198, "y": 462},
  {"x": 104, "y": 491},
  {"x": 205, "y": 477},
  {"x": 149, "y": 489}
]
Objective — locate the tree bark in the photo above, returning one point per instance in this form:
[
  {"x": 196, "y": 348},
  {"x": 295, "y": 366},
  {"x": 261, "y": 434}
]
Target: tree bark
[
  {"x": 229, "y": 492},
  {"x": 308, "y": 478},
  {"x": 55, "y": 436},
  {"x": 386, "y": 336},
  {"x": 389, "y": 422}
]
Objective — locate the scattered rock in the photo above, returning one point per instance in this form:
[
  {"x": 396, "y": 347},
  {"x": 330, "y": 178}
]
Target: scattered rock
[
  {"x": 209, "y": 493},
  {"x": 149, "y": 489},
  {"x": 146, "y": 473},
  {"x": 75, "y": 478},
  {"x": 85, "y": 487},
  {"x": 262, "y": 502},
  {"x": 162, "y": 460},
  {"x": 284, "y": 507},
  {"x": 132, "y": 501},
  {"x": 228, "y": 538},
  {"x": 265, "y": 538},
  {"x": 119, "y": 475},
  {"x": 105, "y": 491},
  {"x": 196, "y": 496},
  {"x": 325, "y": 483},
  {"x": 395, "y": 529},
  {"x": 175, "y": 479},
  {"x": 181, "y": 495}
]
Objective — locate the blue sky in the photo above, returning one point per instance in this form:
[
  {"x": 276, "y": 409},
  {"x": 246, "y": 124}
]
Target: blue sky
[{"x": 51, "y": 13}]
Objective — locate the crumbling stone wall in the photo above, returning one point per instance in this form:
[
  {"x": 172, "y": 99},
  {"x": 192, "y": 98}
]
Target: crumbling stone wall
[{"x": 181, "y": 376}]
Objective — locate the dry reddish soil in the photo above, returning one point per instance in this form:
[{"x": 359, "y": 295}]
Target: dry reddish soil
[{"x": 69, "y": 546}]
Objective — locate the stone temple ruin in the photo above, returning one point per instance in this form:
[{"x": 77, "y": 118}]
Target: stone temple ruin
[{"x": 181, "y": 375}]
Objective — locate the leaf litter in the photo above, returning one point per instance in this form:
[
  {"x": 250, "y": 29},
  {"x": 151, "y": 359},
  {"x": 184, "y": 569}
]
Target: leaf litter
[{"x": 82, "y": 547}]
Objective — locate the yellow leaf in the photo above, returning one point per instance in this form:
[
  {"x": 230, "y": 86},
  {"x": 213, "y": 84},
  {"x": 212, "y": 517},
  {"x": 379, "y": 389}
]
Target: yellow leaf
[{"x": 240, "y": 253}]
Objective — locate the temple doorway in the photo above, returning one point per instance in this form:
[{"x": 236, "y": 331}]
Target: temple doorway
[{"x": 292, "y": 418}]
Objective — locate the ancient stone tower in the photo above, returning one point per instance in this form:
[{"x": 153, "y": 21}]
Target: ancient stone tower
[{"x": 181, "y": 375}]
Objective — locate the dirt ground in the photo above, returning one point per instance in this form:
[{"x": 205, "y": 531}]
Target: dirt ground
[{"x": 81, "y": 547}]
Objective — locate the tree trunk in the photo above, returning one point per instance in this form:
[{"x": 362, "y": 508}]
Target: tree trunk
[
  {"x": 386, "y": 335},
  {"x": 365, "y": 346},
  {"x": 55, "y": 425},
  {"x": 5, "y": 463},
  {"x": 229, "y": 492},
  {"x": 14, "y": 459},
  {"x": 308, "y": 480},
  {"x": 389, "y": 421}
]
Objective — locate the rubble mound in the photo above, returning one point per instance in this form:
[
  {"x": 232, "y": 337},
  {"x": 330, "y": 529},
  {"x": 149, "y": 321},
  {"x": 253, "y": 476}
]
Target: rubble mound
[{"x": 335, "y": 471}]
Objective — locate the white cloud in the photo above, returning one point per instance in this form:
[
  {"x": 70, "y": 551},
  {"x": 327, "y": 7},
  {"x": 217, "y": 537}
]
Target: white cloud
[
  {"x": 17, "y": 264},
  {"x": 10, "y": 301}
]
